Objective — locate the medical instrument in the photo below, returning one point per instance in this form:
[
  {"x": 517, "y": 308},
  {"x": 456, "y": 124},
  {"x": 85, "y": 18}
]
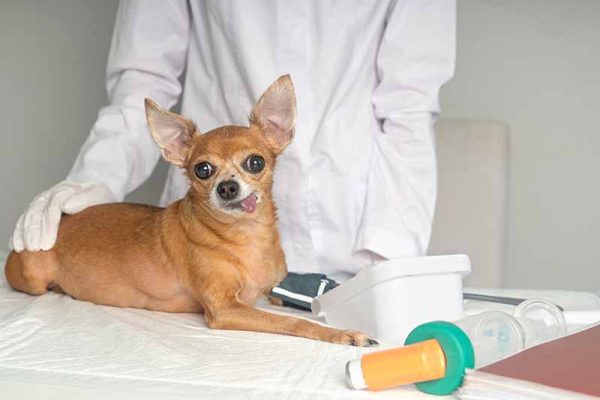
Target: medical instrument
[
  {"x": 436, "y": 354},
  {"x": 514, "y": 301},
  {"x": 299, "y": 290},
  {"x": 418, "y": 289}
]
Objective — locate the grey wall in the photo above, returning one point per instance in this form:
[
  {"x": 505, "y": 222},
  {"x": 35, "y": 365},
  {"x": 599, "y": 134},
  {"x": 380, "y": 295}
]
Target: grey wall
[
  {"x": 536, "y": 65},
  {"x": 532, "y": 64},
  {"x": 52, "y": 63}
]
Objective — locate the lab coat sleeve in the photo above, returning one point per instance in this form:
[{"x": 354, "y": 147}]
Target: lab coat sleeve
[
  {"x": 416, "y": 57},
  {"x": 147, "y": 55}
]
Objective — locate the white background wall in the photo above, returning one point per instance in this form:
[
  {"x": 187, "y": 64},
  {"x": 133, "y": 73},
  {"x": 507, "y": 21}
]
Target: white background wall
[{"x": 532, "y": 64}]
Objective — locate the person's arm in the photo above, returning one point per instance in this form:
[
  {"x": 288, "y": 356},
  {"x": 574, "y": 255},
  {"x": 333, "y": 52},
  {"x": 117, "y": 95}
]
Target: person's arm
[
  {"x": 147, "y": 56},
  {"x": 416, "y": 57}
]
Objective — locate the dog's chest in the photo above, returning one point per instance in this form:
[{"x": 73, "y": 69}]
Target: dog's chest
[
  {"x": 259, "y": 265},
  {"x": 261, "y": 269}
]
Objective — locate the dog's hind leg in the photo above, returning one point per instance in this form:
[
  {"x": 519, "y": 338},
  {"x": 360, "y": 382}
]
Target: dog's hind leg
[{"x": 31, "y": 272}]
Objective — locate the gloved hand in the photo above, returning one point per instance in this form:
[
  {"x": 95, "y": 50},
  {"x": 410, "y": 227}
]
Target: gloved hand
[{"x": 37, "y": 227}]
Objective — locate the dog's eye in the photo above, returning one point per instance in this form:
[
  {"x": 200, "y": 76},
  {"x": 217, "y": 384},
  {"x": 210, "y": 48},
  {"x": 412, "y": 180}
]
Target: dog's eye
[
  {"x": 204, "y": 170},
  {"x": 255, "y": 164}
]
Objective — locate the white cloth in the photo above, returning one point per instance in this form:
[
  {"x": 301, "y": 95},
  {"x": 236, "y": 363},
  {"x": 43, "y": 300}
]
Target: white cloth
[
  {"x": 55, "y": 347},
  {"x": 359, "y": 180}
]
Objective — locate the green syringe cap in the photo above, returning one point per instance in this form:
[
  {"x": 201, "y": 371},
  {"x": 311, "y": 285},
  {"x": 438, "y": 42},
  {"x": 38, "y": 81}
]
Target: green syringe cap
[{"x": 458, "y": 351}]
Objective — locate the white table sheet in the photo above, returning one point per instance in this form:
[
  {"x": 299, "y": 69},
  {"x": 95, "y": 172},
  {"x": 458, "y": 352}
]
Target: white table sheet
[{"x": 55, "y": 347}]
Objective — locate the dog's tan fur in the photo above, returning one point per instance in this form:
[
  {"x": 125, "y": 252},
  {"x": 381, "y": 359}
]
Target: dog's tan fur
[{"x": 190, "y": 256}]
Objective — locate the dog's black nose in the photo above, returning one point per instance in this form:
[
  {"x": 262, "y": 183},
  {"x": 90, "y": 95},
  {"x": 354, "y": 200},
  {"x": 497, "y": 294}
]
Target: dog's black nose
[{"x": 228, "y": 189}]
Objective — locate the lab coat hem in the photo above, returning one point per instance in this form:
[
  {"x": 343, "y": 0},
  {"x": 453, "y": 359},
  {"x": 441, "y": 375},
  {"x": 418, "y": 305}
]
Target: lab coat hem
[{"x": 385, "y": 244}]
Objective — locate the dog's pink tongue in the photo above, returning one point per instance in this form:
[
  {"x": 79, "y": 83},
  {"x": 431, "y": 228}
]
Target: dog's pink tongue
[{"x": 249, "y": 203}]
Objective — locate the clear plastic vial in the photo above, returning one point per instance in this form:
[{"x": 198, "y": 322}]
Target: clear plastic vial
[{"x": 496, "y": 334}]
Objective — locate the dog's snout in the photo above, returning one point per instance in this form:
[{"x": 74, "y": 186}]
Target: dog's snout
[{"x": 227, "y": 190}]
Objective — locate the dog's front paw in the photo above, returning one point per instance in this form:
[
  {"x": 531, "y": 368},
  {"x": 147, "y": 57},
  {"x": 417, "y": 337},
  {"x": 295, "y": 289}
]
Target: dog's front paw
[
  {"x": 351, "y": 338},
  {"x": 276, "y": 301}
]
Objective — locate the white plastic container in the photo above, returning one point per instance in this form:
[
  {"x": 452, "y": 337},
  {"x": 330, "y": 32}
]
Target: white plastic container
[{"x": 391, "y": 298}]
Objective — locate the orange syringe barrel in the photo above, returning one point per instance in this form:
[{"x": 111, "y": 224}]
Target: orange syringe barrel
[
  {"x": 419, "y": 362},
  {"x": 435, "y": 357}
]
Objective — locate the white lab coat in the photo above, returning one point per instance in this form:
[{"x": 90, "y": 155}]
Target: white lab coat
[{"x": 359, "y": 180}]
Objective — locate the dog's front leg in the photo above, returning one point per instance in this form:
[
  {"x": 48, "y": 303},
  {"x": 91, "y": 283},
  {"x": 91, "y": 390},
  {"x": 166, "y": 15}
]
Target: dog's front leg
[
  {"x": 219, "y": 297},
  {"x": 239, "y": 316}
]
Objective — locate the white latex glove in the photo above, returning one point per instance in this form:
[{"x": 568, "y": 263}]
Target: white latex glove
[{"x": 37, "y": 227}]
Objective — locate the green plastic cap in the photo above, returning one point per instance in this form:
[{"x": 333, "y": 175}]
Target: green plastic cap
[{"x": 458, "y": 351}]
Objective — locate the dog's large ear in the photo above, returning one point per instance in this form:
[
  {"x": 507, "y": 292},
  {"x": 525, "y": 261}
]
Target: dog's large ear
[
  {"x": 170, "y": 131},
  {"x": 275, "y": 113}
]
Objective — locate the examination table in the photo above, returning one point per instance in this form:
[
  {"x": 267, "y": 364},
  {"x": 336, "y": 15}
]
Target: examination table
[{"x": 53, "y": 346}]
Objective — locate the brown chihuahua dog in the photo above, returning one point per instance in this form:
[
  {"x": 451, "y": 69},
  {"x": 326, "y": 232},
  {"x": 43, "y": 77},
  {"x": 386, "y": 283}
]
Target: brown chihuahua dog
[{"x": 214, "y": 251}]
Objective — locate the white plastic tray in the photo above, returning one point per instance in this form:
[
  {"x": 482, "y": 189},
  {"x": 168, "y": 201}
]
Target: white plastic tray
[{"x": 391, "y": 298}]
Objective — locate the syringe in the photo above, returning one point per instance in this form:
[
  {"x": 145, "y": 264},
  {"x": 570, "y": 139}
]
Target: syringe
[{"x": 436, "y": 354}]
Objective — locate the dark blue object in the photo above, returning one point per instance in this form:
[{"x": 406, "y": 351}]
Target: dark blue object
[{"x": 298, "y": 290}]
